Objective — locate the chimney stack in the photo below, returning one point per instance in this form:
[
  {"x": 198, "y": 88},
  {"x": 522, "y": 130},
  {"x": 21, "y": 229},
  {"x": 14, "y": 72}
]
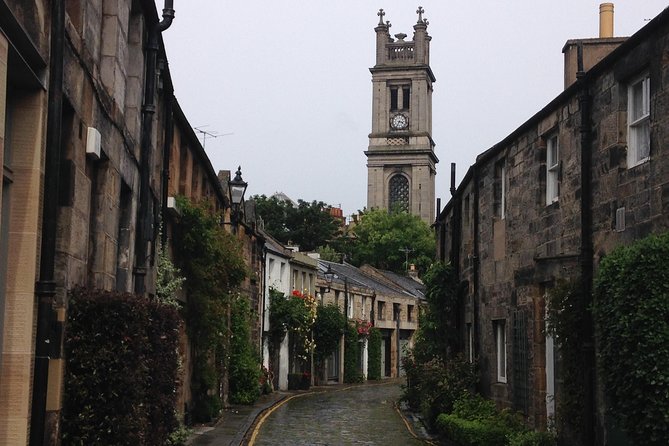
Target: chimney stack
[{"x": 605, "y": 20}]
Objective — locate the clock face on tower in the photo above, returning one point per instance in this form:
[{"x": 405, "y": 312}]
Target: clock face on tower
[{"x": 399, "y": 122}]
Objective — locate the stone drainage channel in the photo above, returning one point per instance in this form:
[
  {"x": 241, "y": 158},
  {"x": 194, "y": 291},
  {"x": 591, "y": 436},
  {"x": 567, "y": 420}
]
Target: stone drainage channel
[{"x": 356, "y": 415}]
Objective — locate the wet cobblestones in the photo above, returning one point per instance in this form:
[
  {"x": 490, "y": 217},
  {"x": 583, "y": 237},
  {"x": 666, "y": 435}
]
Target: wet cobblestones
[{"x": 361, "y": 415}]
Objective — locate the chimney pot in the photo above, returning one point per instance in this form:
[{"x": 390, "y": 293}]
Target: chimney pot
[{"x": 605, "y": 20}]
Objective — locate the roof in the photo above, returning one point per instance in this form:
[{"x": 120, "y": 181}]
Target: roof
[{"x": 356, "y": 277}]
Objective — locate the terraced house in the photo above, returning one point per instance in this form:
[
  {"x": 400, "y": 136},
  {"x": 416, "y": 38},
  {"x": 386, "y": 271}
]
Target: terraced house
[
  {"x": 95, "y": 148},
  {"x": 585, "y": 174}
]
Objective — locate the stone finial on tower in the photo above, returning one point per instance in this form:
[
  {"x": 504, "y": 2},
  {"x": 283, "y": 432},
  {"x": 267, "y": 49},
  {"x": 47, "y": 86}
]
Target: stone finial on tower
[
  {"x": 420, "y": 12},
  {"x": 381, "y": 14}
]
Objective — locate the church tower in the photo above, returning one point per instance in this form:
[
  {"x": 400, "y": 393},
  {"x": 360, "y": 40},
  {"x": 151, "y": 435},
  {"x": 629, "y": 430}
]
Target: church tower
[{"x": 400, "y": 157}]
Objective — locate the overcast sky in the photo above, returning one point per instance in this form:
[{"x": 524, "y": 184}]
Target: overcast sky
[{"x": 288, "y": 83}]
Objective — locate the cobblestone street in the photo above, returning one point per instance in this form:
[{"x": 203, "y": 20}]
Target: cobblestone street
[{"x": 360, "y": 415}]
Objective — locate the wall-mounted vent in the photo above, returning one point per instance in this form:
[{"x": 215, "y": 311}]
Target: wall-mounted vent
[
  {"x": 173, "y": 207},
  {"x": 620, "y": 219},
  {"x": 93, "y": 143}
]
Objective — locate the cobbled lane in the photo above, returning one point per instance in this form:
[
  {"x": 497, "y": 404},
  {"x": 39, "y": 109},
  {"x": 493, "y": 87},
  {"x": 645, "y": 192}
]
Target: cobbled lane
[{"x": 359, "y": 415}]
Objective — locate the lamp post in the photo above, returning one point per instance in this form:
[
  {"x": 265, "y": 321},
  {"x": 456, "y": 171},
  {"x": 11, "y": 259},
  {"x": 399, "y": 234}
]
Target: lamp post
[
  {"x": 329, "y": 275},
  {"x": 237, "y": 187}
]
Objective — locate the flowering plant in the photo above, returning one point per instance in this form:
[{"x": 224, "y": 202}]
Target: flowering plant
[{"x": 363, "y": 327}]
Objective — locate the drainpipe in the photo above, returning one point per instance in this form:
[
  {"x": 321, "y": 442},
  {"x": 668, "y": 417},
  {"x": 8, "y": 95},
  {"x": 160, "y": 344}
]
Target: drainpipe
[
  {"x": 45, "y": 287},
  {"x": 475, "y": 266},
  {"x": 588, "y": 350},
  {"x": 167, "y": 151},
  {"x": 144, "y": 232}
]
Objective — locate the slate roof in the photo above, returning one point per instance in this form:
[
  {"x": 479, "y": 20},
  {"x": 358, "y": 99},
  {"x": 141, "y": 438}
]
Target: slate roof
[{"x": 358, "y": 278}]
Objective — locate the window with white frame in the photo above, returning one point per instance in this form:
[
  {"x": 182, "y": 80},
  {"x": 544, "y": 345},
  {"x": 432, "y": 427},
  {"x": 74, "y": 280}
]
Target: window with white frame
[
  {"x": 500, "y": 348},
  {"x": 638, "y": 120},
  {"x": 552, "y": 170},
  {"x": 349, "y": 310}
]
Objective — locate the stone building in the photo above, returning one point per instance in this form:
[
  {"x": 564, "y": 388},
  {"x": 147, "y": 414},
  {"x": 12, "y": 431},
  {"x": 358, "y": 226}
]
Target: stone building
[
  {"x": 388, "y": 301},
  {"x": 95, "y": 147},
  {"x": 585, "y": 174},
  {"x": 400, "y": 157}
]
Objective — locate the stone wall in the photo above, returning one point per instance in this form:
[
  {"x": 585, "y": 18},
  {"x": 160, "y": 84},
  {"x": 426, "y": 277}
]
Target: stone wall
[{"x": 510, "y": 245}]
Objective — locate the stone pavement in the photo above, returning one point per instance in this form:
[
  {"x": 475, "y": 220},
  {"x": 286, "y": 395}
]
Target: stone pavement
[{"x": 230, "y": 429}]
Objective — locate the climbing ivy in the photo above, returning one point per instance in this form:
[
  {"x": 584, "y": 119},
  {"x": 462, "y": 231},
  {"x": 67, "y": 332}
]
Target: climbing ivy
[
  {"x": 565, "y": 322},
  {"x": 328, "y": 328},
  {"x": 351, "y": 354},
  {"x": 436, "y": 336},
  {"x": 632, "y": 321},
  {"x": 244, "y": 361},
  {"x": 374, "y": 354},
  {"x": 212, "y": 261}
]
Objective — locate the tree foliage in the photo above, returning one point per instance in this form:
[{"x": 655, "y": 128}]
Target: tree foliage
[
  {"x": 632, "y": 320},
  {"x": 381, "y": 237},
  {"x": 308, "y": 225}
]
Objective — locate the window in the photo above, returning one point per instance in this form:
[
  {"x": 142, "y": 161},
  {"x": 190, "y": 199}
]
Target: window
[
  {"x": 382, "y": 310},
  {"x": 465, "y": 212},
  {"x": 500, "y": 348},
  {"x": 349, "y": 309},
  {"x": 393, "y": 99},
  {"x": 638, "y": 121},
  {"x": 364, "y": 303},
  {"x": 500, "y": 189},
  {"x": 406, "y": 98},
  {"x": 410, "y": 313},
  {"x": 398, "y": 193},
  {"x": 337, "y": 298},
  {"x": 396, "y": 311},
  {"x": 552, "y": 170}
]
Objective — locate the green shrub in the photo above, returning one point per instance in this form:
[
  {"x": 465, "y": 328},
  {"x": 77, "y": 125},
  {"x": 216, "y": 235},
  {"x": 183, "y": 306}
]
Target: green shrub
[
  {"x": 351, "y": 354},
  {"x": 631, "y": 313},
  {"x": 474, "y": 407},
  {"x": 374, "y": 354},
  {"x": 433, "y": 387},
  {"x": 122, "y": 367},
  {"x": 471, "y": 432},
  {"x": 532, "y": 438}
]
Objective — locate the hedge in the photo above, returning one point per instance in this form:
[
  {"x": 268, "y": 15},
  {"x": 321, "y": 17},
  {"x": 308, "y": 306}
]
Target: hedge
[
  {"x": 470, "y": 432},
  {"x": 122, "y": 365},
  {"x": 631, "y": 314}
]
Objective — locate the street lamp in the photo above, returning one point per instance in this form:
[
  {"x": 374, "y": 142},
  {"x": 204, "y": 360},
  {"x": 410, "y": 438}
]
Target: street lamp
[
  {"x": 329, "y": 275},
  {"x": 237, "y": 188}
]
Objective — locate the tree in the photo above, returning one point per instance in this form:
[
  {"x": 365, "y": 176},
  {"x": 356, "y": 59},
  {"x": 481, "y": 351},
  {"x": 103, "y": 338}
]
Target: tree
[
  {"x": 309, "y": 225},
  {"x": 381, "y": 238}
]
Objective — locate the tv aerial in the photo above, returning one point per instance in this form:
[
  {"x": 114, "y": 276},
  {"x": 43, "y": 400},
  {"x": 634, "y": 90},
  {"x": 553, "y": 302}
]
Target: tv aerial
[{"x": 206, "y": 134}]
